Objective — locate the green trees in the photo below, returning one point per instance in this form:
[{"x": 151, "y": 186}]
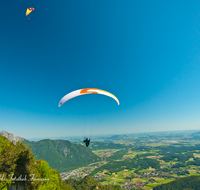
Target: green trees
[
  {"x": 118, "y": 155},
  {"x": 178, "y": 156},
  {"x": 8, "y": 157},
  {"x": 89, "y": 183},
  {"x": 178, "y": 165},
  {"x": 62, "y": 154},
  {"x": 19, "y": 167},
  {"x": 186, "y": 183},
  {"x": 137, "y": 163},
  {"x": 196, "y": 162}
]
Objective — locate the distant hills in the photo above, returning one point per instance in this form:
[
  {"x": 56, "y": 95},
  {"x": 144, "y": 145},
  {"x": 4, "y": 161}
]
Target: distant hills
[
  {"x": 196, "y": 135},
  {"x": 117, "y": 137}
]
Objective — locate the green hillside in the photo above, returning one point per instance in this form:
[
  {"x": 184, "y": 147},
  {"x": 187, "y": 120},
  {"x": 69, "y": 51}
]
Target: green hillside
[
  {"x": 62, "y": 154},
  {"x": 18, "y": 161}
]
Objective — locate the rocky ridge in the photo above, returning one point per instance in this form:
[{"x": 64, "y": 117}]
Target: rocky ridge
[{"x": 11, "y": 137}]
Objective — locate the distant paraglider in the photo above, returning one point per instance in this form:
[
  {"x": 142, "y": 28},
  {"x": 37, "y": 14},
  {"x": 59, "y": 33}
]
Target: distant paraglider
[{"x": 28, "y": 11}]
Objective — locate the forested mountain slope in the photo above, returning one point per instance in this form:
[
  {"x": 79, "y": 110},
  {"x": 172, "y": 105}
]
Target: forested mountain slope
[{"x": 62, "y": 154}]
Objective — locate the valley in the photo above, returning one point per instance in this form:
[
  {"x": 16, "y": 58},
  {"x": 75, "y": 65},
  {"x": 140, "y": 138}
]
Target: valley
[{"x": 144, "y": 161}]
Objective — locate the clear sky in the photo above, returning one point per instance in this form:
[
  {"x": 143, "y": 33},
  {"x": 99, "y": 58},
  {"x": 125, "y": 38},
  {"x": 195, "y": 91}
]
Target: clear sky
[{"x": 147, "y": 53}]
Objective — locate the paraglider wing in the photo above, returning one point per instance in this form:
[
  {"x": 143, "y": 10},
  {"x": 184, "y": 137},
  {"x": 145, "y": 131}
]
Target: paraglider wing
[
  {"x": 86, "y": 91},
  {"x": 29, "y": 10}
]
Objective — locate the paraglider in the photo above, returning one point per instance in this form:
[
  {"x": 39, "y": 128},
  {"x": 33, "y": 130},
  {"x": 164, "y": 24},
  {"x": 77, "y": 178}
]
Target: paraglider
[
  {"x": 86, "y": 91},
  {"x": 87, "y": 142},
  {"x": 82, "y": 92},
  {"x": 28, "y": 11}
]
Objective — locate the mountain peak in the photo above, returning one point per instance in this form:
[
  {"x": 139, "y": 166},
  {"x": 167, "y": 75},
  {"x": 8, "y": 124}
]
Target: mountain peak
[{"x": 11, "y": 137}]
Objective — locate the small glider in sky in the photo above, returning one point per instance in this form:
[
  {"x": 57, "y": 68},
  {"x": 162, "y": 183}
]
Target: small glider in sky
[
  {"x": 28, "y": 11},
  {"x": 86, "y": 91}
]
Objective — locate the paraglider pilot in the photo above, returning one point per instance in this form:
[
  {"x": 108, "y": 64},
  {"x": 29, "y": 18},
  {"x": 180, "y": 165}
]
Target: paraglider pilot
[{"x": 87, "y": 142}]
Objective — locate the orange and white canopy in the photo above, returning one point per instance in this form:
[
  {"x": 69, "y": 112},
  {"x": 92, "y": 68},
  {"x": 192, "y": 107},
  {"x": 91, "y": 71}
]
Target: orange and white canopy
[{"x": 86, "y": 91}]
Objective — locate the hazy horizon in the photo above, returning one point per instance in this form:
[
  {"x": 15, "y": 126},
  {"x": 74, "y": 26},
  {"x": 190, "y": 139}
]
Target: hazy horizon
[{"x": 79, "y": 138}]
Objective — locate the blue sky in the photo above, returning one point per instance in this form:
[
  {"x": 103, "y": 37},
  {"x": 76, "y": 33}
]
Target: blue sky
[{"x": 147, "y": 53}]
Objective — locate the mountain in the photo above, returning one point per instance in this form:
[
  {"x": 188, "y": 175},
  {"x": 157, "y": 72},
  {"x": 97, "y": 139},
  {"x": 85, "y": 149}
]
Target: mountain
[
  {"x": 62, "y": 154},
  {"x": 11, "y": 137},
  {"x": 185, "y": 183},
  {"x": 89, "y": 183}
]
